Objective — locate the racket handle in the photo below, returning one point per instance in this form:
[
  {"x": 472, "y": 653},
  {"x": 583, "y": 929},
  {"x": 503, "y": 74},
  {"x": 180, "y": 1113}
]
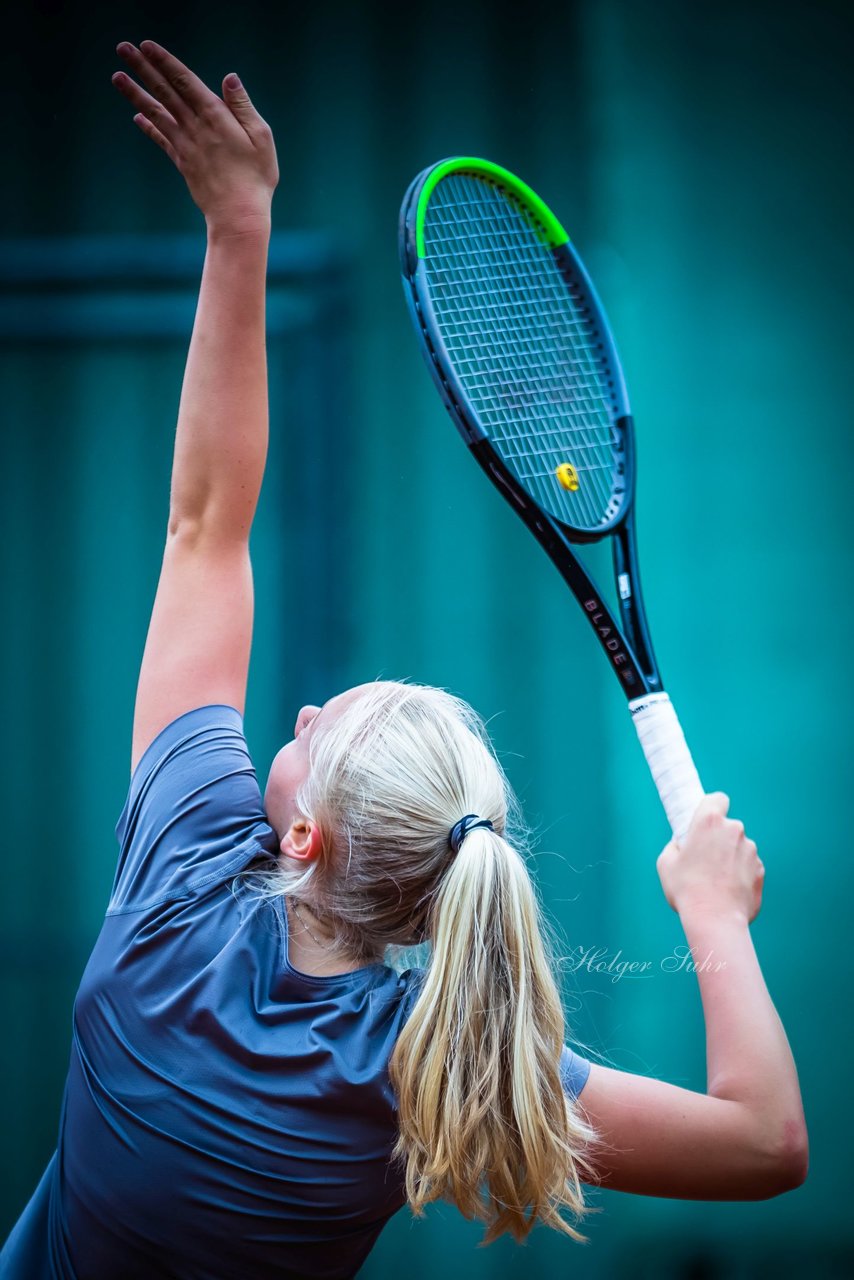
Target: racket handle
[{"x": 668, "y": 757}]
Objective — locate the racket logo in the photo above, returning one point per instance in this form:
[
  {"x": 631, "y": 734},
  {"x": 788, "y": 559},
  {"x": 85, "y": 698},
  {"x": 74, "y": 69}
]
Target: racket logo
[
  {"x": 567, "y": 476},
  {"x": 611, "y": 639}
]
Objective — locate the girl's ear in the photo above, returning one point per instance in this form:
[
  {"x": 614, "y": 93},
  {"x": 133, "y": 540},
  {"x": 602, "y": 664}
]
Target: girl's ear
[{"x": 302, "y": 841}]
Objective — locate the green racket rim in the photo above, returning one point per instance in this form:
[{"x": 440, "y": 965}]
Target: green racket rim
[{"x": 543, "y": 221}]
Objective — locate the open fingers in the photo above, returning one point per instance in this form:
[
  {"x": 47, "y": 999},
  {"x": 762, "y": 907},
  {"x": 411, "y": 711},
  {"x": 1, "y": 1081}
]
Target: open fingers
[
  {"x": 144, "y": 103},
  {"x": 157, "y": 83},
  {"x": 151, "y": 131},
  {"x": 193, "y": 93}
]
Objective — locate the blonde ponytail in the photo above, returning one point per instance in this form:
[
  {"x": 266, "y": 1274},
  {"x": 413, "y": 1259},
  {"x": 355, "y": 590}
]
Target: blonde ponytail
[{"x": 483, "y": 1119}]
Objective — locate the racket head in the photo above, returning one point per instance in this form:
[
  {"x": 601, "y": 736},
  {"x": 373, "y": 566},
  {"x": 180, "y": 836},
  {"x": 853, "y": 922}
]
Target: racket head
[{"x": 518, "y": 342}]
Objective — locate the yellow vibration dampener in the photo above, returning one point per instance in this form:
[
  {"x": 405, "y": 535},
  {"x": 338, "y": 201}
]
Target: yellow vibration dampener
[{"x": 567, "y": 476}]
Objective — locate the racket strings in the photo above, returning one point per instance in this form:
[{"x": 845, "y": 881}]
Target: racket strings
[
  {"x": 525, "y": 348},
  {"x": 577, "y": 392}
]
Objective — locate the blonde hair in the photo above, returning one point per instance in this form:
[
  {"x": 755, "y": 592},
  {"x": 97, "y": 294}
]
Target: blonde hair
[{"x": 483, "y": 1119}]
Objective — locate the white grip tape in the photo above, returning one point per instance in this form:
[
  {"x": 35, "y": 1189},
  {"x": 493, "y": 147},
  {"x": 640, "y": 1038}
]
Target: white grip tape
[{"x": 668, "y": 757}]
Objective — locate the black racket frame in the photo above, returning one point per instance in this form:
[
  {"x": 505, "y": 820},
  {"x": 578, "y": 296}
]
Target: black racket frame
[{"x": 628, "y": 647}]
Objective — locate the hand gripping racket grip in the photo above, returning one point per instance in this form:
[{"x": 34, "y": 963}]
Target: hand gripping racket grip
[{"x": 668, "y": 757}]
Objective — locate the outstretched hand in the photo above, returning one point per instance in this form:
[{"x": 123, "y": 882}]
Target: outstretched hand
[{"x": 221, "y": 146}]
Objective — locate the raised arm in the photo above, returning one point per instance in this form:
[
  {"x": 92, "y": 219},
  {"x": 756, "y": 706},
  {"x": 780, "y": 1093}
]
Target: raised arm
[
  {"x": 745, "y": 1138},
  {"x": 199, "y": 638}
]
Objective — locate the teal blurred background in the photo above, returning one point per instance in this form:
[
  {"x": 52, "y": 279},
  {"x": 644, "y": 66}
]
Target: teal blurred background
[{"x": 700, "y": 157}]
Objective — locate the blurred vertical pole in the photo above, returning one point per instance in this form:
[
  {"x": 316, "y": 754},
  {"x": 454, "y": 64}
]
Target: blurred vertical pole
[{"x": 723, "y": 185}]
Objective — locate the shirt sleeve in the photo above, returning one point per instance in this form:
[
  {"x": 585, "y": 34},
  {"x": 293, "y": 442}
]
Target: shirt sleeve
[
  {"x": 574, "y": 1071},
  {"x": 193, "y": 813}
]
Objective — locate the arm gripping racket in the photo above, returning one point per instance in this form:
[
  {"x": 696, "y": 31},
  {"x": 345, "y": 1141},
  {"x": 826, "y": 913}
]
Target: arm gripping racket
[{"x": 520, "y": 350}]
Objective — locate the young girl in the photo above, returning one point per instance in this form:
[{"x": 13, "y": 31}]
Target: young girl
[{"x": 252, "y": 1090}]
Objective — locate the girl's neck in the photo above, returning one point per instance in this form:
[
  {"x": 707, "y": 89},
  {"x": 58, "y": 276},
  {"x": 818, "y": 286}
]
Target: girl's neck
[{"x": 309, "y": 948}]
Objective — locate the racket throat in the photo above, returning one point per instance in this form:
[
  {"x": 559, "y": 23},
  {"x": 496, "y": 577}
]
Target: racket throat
[
  {"x": 619, "y": 653},
  {"x": 632, "y": 612}
]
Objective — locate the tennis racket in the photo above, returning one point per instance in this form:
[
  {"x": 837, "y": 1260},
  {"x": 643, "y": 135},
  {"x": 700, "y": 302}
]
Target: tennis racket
[{"x": 523, "y": 358}]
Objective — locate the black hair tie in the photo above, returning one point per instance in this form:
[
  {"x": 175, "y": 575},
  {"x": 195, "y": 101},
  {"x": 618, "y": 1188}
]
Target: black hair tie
[{"x": 460, "y": 829}]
